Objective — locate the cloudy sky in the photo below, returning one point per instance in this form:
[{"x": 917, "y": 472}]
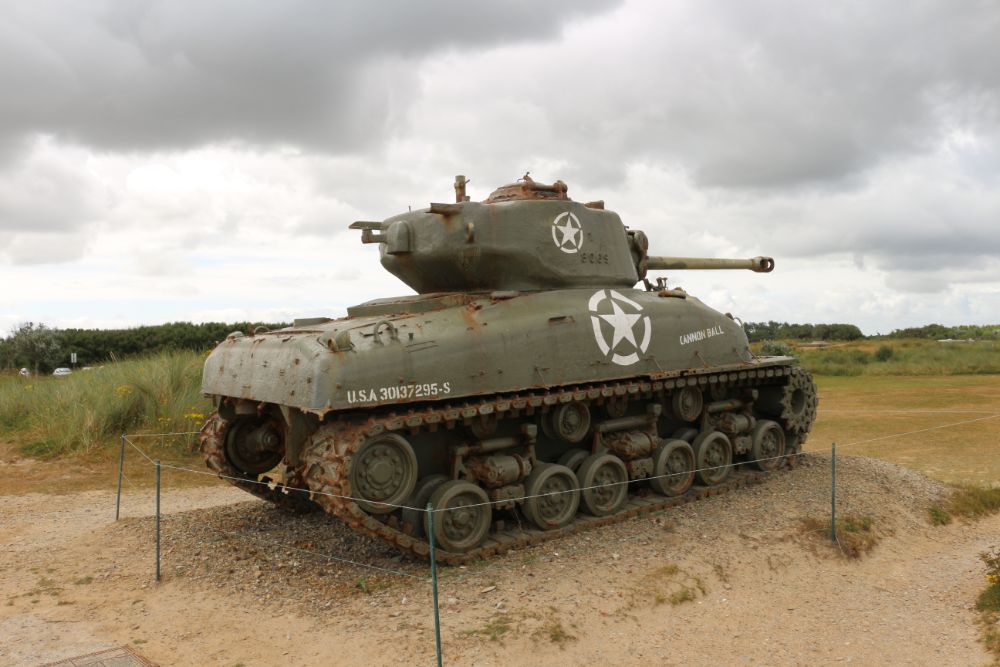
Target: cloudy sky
[{"x": 168, "y": 160}]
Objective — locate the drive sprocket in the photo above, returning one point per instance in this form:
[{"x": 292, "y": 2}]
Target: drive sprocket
[{"x": 793, "y": 403}]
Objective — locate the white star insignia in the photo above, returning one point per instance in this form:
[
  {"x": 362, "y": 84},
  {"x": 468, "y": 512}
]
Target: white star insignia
[
  {"x": 567, "y": 233},
  {"x": 623, "y": 323}
]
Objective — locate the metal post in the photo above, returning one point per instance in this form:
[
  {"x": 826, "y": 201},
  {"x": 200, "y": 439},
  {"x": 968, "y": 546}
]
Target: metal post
[
  {"x": 121, "y": 467},
  {"x": 833, "y": 493},
  {"x": 434, "y": 582},
  {"x": 157, "y": 519}
]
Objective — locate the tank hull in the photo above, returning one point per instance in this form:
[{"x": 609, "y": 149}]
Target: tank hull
[
  {"x": 467, "y": 346},
  {"x": 552, "y": 411}
]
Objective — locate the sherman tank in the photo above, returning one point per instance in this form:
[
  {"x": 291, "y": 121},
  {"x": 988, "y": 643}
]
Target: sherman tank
[{"x": 535, "y": 384}]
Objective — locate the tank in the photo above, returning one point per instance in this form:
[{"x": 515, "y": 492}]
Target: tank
[{"x": 537, "y": 383}]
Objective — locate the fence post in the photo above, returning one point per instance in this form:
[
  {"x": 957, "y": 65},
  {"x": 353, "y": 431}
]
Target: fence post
[
  {"x": 434, "y": 582},
  {"x": 157, "y": 519},
  {"x": 121, "y": 468},
  {"x": 833, "y": 493}
]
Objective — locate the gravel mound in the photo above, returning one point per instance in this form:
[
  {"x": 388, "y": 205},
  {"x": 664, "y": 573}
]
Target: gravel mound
[{"x": 313, "y": 562}]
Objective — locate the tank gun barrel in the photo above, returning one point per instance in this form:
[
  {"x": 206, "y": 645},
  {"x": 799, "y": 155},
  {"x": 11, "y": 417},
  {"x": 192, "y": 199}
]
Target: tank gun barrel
[{"x": 755, "y": 264}]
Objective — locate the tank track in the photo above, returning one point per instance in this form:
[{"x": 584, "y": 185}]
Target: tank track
[
  {"x": 327, "y": 455},
  {"x": 293, "y": 497}
]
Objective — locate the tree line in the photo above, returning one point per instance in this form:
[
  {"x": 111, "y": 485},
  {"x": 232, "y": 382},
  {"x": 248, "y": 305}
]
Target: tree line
[
  {"x": 41, "y": 349},
  {"x": 758, "y": 331},
  {"x": 941, "y": 332}
]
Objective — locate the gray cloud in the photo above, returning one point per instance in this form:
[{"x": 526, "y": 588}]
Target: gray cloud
[
  {"x": 236, "y": 130},
  {"x": 754, "y": 95},
  {"x": 47, "y": 193},
  {"x": 159, "y": 73},
  {"x": 32, "y": 248}
]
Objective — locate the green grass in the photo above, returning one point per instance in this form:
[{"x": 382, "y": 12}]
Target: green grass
[
  {"x": 856, "y": 535},
  {"x": 47, "y": 417},
  {"x": 988, "y": 603},
  {"x": 967, "y": 502},
  {"x": 555, "y": 633},
  {"x": 989, "y": 599},
  {"x": 865, "y": 416},
  {"x": 668, "y": 583},
  {"x": 901, "y": 357},
  {"x": 972, "y": 502},
  {"x": 938, "y": 515},
  {"x": 496, "y": 629}
]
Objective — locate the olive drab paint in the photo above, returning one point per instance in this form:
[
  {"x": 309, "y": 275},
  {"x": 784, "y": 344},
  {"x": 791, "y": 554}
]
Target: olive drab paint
[{"x": 525, "y": 289}]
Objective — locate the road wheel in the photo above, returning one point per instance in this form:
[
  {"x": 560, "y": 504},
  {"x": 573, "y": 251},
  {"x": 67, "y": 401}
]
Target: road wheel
[
  {"x": 462, "y": 515},
  {"x": 768, "y": 448},
  {"x": 673, "y": 468},
  {"x": 383, "y": 473},
  {"x": 552, "y": 496},
  {"x": 713, "y": 456},
  {"x": 603, "y": 484}
]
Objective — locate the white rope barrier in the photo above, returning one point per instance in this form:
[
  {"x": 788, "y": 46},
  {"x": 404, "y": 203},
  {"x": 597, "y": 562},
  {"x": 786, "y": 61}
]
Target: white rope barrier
[
  {"x": 182, "y": 468},
  {"x": 921, "y": 430}
]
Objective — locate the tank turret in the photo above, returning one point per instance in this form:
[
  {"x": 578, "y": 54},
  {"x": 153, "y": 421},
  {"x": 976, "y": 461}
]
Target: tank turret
[{"x": 525, "y": 236}]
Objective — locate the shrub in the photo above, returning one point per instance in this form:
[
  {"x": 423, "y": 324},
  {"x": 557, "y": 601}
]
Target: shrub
[
  {"x": 989, "y": 602},
  {"x": 774, "y": 348},
  {"x": 939, "y": 516},
  {"x": 883, "y": 353},
  {"x": 992, "y": 561},
  {"x": 860, "y": 357}
]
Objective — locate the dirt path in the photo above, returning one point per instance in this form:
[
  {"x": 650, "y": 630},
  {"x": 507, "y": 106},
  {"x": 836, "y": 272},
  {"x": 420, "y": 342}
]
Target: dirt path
[{"x": 732, "y": 579}]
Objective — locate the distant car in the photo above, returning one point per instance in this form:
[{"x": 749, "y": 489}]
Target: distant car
[
  {"x": 61, "y": 371},
  {"x": 25, "y": 373}
]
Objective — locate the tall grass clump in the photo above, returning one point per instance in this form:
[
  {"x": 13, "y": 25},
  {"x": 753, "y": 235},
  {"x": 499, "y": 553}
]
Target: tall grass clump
[
  {"x": 54, "y": 416},
  {"x": 776, "y": 348},
  {"x": 903, "y": 357},
  {"x": 835, "y": 361},
  {"x": 974, "y": 502},
  {"x": 856, "y": 535}
]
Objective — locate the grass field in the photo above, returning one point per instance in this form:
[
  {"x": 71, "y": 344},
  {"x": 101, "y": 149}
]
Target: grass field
[
  {"x": 902, "y": 357},
  {"x": 858, "y": 413}
]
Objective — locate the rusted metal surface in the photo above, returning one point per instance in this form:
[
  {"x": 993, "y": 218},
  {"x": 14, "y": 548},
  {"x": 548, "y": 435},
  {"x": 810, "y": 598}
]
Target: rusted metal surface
[
  {"x": 460, "y": 183},
  {"x": 527, "y": 189},
  {"x": 444, "y": 209}
]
